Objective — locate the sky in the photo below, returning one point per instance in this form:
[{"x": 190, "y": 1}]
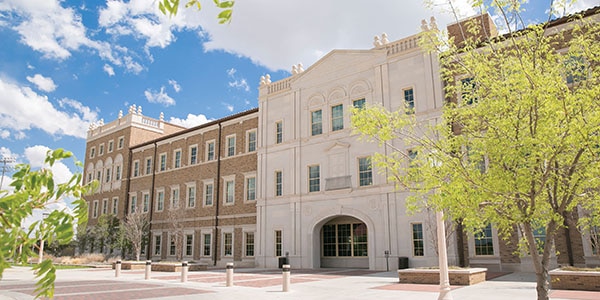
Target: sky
[{"x": 65, "y": 64}]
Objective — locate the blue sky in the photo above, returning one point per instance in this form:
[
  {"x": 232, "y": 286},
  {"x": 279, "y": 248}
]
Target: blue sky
[{"x": 65, "y": 64}]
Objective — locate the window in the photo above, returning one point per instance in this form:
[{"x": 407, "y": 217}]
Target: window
[
  {"x": 360, "y": 103},
  {"x": 146, "y": 203},
  {"x": 136, "y": 168},
  {"x": 208, "y": 194},
  {"x": 484, "y": 244},
  {"x": 278, "y": 132},
  {"x": 418, "y": 242},
  {"x": 95, "y": 209},
  {"x": 540, "y": 238},
  {"x": 210, "y": 150},
  {"x": 229, "y": 191},
  {"x": 316, "y": 122},
  {"x": 191, "y": 196},
  {"x": 110, "y": 146},
  {"x": 344, "y": 240},
  {"x": 576, "y": 69},
  {"x": 189, "y": 244},
  {"x": 160, "y": 201},
  {"x": 172, "y": 245},
  {"x": 99, "y": 175},
  {"x": 163, "y": 161},
  {"x": 278, "y": 183},
  {"x": 365, "y": 171},
  {"x": 206, "y": 244},
  {"x": 412, "y": 155},
  {"x": 227, "y": 244},
  {"x": 115, "y": 205},
  {"x": 251, "y": 141},
  {"x": 251, "y": 188},
  {"x": 133, "y": 202},
  {"x": 230, "y": 146},
  {"x": 101, "y": 149},
  {"x": 193, "y": 155},
  {"x": 93, "y": 152},
  {"x": 337, "y": 117},
  {"x": 468, "y": 91},
  {"x": 148, "y": 166},
  {"x": 107, "y": 177},
  {"x": 104, "y": 206},
  {"x": 118, "y": 173},
  {"x": 157, "y": 242},
  {"x": 177, "y": 159},
  {"x": 249, "y": 243},
  {"x": 278, "y": 242},
  {"x": 174, "y": 197},
  {"x": 121, "y": 143},
  {"x": 409, "y": 101},
  {"x": 314, "y": 181},
  {"x": 89, "y": 178}
]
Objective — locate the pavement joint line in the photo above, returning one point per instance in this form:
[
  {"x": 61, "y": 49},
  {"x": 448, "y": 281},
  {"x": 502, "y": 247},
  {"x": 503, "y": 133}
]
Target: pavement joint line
[{"x": 111, "y": 291}]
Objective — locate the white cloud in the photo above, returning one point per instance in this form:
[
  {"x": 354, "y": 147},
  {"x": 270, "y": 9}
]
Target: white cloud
[
  {"x": 45, "y": 84},
  {"x": 240, "y": 84},
  {"x": 191, "y": 120},
  {"x": 36, "y": 155},
  {"x": 22, "y": 109},
  {"x": 160, "y": 97},
  {"x": 4, "y": 134},
  {"x": 231, "y": 72},
  {"x": 572, "y": 7},
  {"x": 83, "y": 110},
  {"x": 109, "y": 70},
  {"x": 55, "y": 31},
  {"x": 229, "y": 107},
  {"x": 175, "y": 85}
]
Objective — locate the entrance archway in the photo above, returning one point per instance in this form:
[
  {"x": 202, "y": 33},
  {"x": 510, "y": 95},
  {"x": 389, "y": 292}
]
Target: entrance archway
[{"x": 344, "y": 243}]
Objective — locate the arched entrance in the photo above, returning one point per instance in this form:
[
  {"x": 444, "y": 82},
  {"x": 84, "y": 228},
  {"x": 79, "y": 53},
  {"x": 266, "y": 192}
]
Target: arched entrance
[{"x": 344, "y": 243}]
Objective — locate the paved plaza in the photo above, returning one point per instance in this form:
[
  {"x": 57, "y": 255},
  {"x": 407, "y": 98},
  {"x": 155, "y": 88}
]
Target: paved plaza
[{"x": 254, "y": 284}]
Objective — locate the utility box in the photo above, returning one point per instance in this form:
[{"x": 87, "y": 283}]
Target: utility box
[{"x": 402, "y": 262}]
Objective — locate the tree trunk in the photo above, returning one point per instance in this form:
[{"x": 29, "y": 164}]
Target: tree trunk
[{"x": 542, "y": 285}]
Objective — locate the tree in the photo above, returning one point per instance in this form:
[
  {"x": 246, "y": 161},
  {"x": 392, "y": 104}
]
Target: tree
[
  {"x": 107, "y": 232},
  {"x": 175, "y": 217},
  {"x": 135, "y": 228},
  {"x": 35, "y": 190},
  {"x": 519, "y": 140},
  {"x": 170, "y": 7}
]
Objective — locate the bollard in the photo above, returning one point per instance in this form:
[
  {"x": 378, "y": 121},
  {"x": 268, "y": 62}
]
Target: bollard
[
  {"x": 229, "y": 275},
  {"x": 118, "y": 268},
  {"x": 286, "y": 278},
  {"x": 148, "y": 268},
  {"x": 184, "y": 271}
]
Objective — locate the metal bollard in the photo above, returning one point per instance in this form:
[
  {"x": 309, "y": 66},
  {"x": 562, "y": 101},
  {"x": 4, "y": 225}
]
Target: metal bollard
[
  {"x": 184, "y": 271},
  {"x": 148, "y": 269},
  {"x": 117, "y": 268},
  {"x": 286, "y": 278},
  {"x": 229, "y": 275}
]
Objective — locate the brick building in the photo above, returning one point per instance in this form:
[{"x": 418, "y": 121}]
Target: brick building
[{"x": 199, "y": 181}]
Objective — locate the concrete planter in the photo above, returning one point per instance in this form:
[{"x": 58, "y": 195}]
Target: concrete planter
[
  {"x": 161, "y": 266},
  {"x": 575, "y": 280},
  {"x": 432, "y": 276}
]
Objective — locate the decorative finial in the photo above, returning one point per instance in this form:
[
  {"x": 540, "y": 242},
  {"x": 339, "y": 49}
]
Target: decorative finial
[
  {"x": 120, "y": 114},
  {"x": 268, "y": 79},
  {"x": 376, "y": 41},
  {"x": 101, "y": 122},
  {"x": 424, "y": 26},
  {"x": 433, "y": 23},
  {"x": 130, "y": 111},
  {"x": 384, "y": 39},
  {"x": 139, "y": 110},
  {"x": 300, "y": 68},
  {"x": 294, "y": 70},
  {"x": 162, "y": 116},
  {"x": 262, "y": 80}
]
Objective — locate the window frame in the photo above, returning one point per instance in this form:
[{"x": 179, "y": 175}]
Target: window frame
[
  {"x": 160, "y": 199},
  {"x": 177, "y": 158},
  {"x": 110, "y": 146},
  {"x": 135, "y": 172},
  {"x": 208, "y": 183},
  {"x": 316, "y": 128},
  {"x": 148, "y": 165},
  {"x": 416, "y": 239},
  {"x": 278, "y": 242},
  {"x": 312, "y": 180},
  {"x": 337, "y": 117},
  {"x": 205, "y": 246},
  {"x": 210, "y": 150},
  {"x": 409, "y": 104},
  {"x": 368, "y": 173},
  {"x": 278, "y": 132},
  {"x": 230, "y": 147},
  {"x": 175, "y": 202},
  {"x": 157, "y": 244},
  {"x": 227, "y": 194},
  {"x": 120, "y": 143},
  {"x": 145, "y": 202},
  {"x": 95, "y": 209},
  {"x": 226, "y": 244},
  {"x": 193, "y": 157},
  {"x": 93, "y": 152},
  {"x": 190, "y": 187},
  {"x": 247, "y": 188},
  {"x": 251, "y": 143},
  {"x": 163, "y": 162},
  {"x": 115, "y": 206},
  {"x": 278, "y": 183},
  {"x": 247, "y": 244}
]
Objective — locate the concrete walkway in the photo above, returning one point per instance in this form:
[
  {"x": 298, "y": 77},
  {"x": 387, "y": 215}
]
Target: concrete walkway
[{"x": 254, "y": 284}]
